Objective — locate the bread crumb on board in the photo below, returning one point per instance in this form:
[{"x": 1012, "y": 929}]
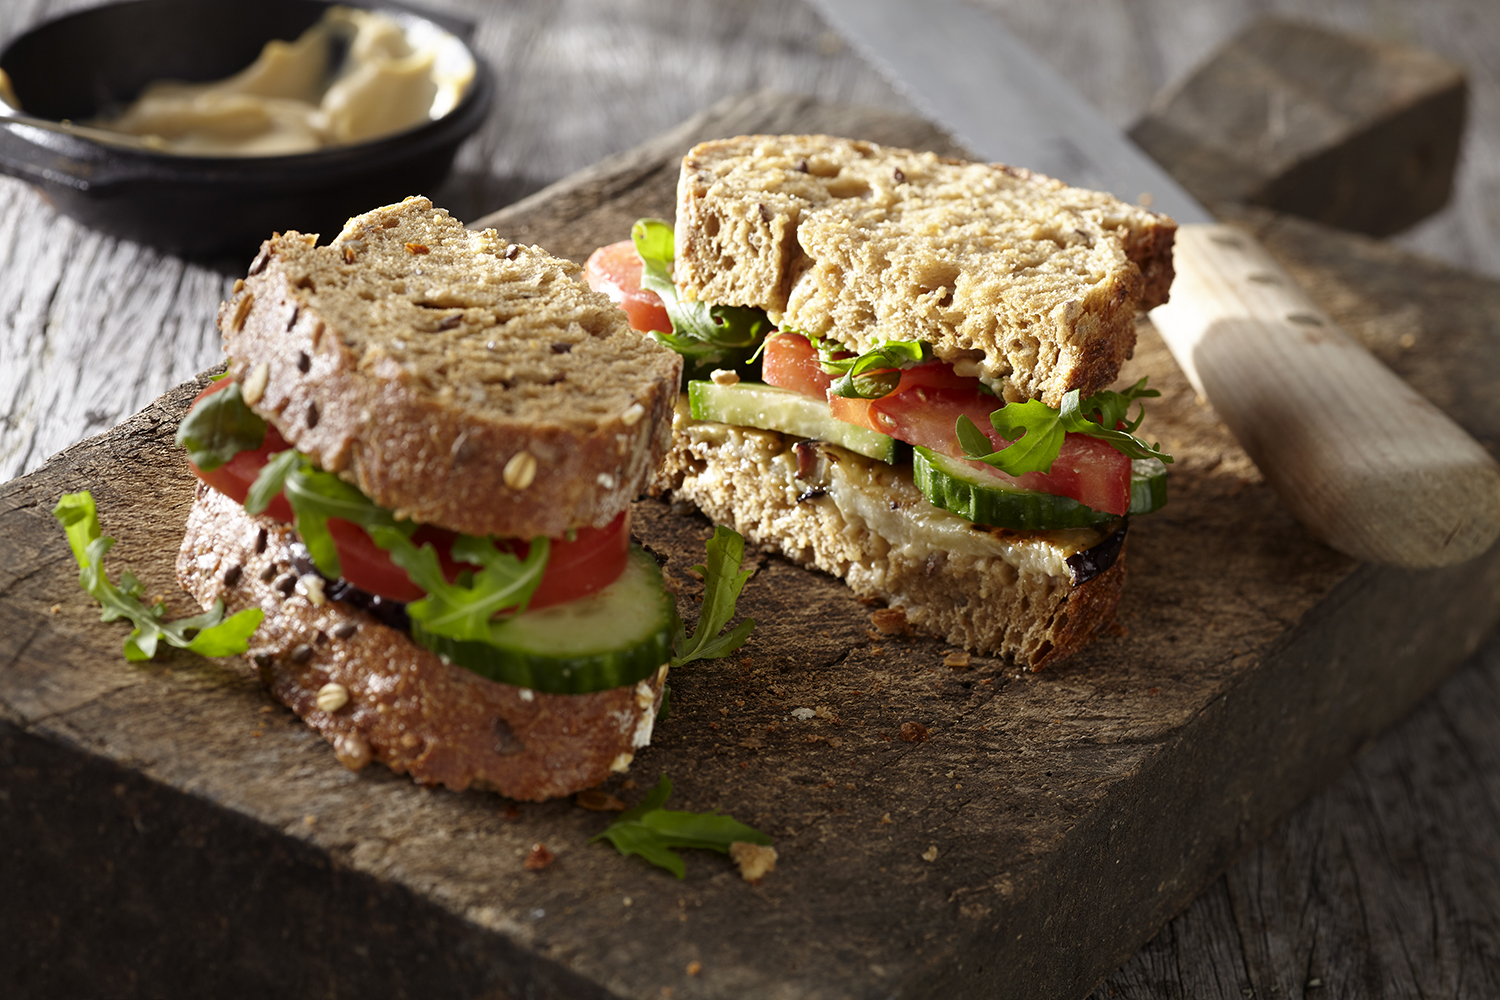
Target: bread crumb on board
[{"x": 755, "y": 861}]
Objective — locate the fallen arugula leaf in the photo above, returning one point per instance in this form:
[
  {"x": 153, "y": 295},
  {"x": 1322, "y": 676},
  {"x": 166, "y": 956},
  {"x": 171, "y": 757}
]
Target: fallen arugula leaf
[
  {"x": 210, "y": 633},
  {"x": 722, "y": 583},
  {"x": 1036, "y": 431},
  {"x": 652, "y": 832}
]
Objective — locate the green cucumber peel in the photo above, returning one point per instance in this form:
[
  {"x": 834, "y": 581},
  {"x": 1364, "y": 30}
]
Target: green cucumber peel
[
  {"x": 874, "y": 373},
  {"x": 701, "y": 332},
  {"x": 1036, "y": 431},
  {"x": 654, "y": 833},
  {"x": 209, "y": 634},
  {"x": 723, "y": 579},
  {"x": 219, "y": 427}
]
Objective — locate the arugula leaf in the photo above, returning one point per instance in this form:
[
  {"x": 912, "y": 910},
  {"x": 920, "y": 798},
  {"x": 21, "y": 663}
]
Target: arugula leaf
[
  {"x": 315, "y": 496},
  {"x": 652, "y": 832},
  {"x": 874, "y": 373},
  {"x": 270, "y": 479},
  {"x": 707, "y": 335},
  {"x": 722, "y": 583},
  {"x": 1113, "y": 408},
  {"x": 208, "y": 633},
  {"x": 464, "y": 610},
  {"x": 460, "y": 610},
  {"x": 220, "y": 427},
  {"x": 1036, "y": 431}
]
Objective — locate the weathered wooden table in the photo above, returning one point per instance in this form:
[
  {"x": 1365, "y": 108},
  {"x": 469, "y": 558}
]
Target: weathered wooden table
[{"x": 1383, "y": 885}]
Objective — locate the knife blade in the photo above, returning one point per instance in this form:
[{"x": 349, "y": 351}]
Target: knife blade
[{"x": 1361, "y": 459}]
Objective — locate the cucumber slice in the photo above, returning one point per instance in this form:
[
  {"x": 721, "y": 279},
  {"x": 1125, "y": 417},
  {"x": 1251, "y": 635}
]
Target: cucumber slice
[
  {"x": 955, "y": 486},
  {"x": 609, "y": 639},
  {"x": 771, "y": 408}
]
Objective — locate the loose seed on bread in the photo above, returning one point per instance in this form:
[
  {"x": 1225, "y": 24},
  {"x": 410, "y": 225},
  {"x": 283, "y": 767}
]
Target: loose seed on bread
[
  {"x": 332, "y": 697},
  {"x": 520, "y": 470},
  {"x": 352, "y": 751},
  {"x": 254, "y": 386},
  {"x": 242, "y": 310}
]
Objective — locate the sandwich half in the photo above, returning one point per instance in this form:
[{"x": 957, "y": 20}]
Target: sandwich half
[
  {"x": 899, "y": 370},
  {"x": 420, "y": 466}
]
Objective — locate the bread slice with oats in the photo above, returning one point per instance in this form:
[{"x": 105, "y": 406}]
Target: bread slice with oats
[
  {"x": 1017, "y": 278},
  {"x": 453, "y": 377}
]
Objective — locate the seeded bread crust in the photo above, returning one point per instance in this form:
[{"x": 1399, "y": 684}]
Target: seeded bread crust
[
  {"x": 988, "y": 590},
  {"x": 441, "y": 724},
  {"x": 456, "y": 379},
  {"x": 1012, "y": 276}
]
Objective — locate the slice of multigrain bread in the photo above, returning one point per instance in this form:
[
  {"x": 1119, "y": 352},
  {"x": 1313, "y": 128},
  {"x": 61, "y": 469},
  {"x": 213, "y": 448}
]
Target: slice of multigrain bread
[
  {"x": 1033, "y": 596},
  {"x": 1017, "y": 278},
  {"x": 375, "y": 695},
  {"x": 457, "y": 379}
]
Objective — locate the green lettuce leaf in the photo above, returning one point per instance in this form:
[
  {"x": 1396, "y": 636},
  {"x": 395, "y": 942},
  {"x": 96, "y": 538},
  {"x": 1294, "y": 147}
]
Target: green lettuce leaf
[
  {"x": 651, "y": 832},
  {"x": 219, "y": 428},
  {"x": 707, "y": 336},
  {"x": 722, "y": 583},
  {"x": 208, "y": 633},
  {"x": 1036, "y": 431}
]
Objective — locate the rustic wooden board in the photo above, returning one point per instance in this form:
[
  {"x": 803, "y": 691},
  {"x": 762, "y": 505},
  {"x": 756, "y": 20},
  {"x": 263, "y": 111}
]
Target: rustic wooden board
[{"x": 1071, "y": 812}]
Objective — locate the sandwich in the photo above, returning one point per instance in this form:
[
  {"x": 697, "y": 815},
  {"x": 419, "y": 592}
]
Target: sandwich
[
  {"x": 420, "y": 466},
  {"x": 898, "y": 371}
]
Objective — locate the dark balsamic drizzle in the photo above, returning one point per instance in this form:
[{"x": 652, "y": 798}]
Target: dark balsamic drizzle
[
  {"x": 384, "y": 610},
  {"x": 387, "y": 612}
]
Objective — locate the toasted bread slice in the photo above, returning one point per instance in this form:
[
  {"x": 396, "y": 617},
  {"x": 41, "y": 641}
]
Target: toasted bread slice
[
  {"x": 456, "y": 379},
  {"x": 1030, "y": 284}
]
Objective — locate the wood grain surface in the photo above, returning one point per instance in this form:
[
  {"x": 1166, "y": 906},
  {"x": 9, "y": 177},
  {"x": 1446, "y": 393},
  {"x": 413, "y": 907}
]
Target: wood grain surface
[{"x": 1382, "y": 886}]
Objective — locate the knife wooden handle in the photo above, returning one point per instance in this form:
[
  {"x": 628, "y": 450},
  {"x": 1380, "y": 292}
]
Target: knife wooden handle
[{"x": 1367, "y": 464}]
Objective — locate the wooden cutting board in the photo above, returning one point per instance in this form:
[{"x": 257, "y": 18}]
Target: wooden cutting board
[{"x": 169, "y": 830}]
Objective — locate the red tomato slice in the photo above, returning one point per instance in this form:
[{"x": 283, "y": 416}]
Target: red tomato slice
[
  {"x": 235, "y": 477},
  {"x": 615, "y": 270},
  {"x": 594, "y": 558},
  {"x": 1086, "y": 469},
  {"x": 791, "y": 362}
]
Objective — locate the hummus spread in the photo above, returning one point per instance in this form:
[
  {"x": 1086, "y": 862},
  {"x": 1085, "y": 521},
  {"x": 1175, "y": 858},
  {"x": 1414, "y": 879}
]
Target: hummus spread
[{"x": 300, "y": 96}]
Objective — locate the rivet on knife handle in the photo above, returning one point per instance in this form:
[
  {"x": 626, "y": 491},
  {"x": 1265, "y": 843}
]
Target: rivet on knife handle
[{"x": 1362, "y": 460}]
